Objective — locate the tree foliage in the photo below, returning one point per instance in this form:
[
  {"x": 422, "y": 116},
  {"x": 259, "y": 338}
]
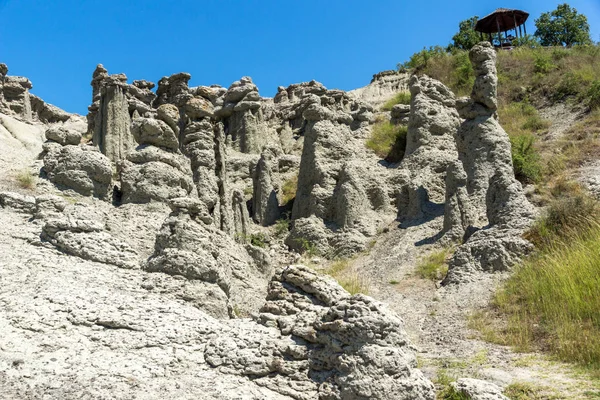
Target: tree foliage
[
  {"x": 563, "y": 27},
  {"x": 466, "y": 37}
]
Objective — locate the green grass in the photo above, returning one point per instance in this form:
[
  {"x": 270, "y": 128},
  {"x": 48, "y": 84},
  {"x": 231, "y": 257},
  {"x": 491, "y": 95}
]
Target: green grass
[
  {"x": 25, "y": 180},
  {"x": 445, "y": 390},
  {"x": 388, "y": 141},
  {"x": 282, "y": 226},
  {"x": 434, "y": 266},
  {"x": 524, "y": 391},
  {"x": 552, "y": 301},
  {"x": 399, "y": 98},
  {"x": 288, "y": 190}
]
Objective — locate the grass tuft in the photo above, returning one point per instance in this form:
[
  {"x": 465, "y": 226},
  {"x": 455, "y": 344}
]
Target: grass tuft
[
  {"x": 399, "y": 98},
  {"x": 388, "y": 141},
  {"x": 288, "y": 190},
  {"x": 434, "y": 266},
  {"x": 341, "y": 269},
  {"x": 25, "y": 180}
]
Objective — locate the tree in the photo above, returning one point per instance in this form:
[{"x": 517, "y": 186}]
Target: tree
[
  {"x": 466, "y": 37},
  {"x": 563, "y": 27}
]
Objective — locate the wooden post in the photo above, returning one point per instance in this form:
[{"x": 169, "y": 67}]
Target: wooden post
[
  {"x": 499, "y": 32},
  {"x": 525, "y": 28}
]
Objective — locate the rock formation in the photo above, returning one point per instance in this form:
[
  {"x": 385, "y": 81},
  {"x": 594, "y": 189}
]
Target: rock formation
[
  {"x": 189, "y": 245},
  {"x": 322, "y": 353},
  {"x": 382, "y": 87},
  {"x": 81, "y": 168},
  {"x": 265, "y": 204},
  {"x": 109, "y": 117},
  {"x": 496, "y": 199},
  {"x": 430, "y": 147}
]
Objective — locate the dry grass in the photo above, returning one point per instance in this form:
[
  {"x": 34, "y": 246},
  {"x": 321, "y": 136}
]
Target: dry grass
[
  {"x": 25, "y": 180},
  {"x": 348, "y": 278},
  {"x": 551, "y": 302}
]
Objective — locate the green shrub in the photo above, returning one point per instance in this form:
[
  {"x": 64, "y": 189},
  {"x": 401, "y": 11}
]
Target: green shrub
[
  {"x": 399, "y": 98},
  {"x": 542, "y": 64},
  {"x": 536, "y": 123},
  {"x": 421, "y": 59},
  {"x": 308, "y": 248},
  {"x": 464, "y": 74},
  {"x": 388, "y": 141},
  {"x": 571, "y": 84},
  {"x": 282, "y": 226},
  {"x": 258, "y": 240},
  {"x": 526, "y": 159},
  {"x": 564, "y": 217},
  {"x": 594, "y": 95}
]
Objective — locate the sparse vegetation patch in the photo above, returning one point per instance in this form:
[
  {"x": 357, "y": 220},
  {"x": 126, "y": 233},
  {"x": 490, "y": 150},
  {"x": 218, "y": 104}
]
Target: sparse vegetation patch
[{"x": 388, "y": 141}]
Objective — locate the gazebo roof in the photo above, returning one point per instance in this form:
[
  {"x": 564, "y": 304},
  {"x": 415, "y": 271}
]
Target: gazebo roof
[{"x": 501, "y": 20}]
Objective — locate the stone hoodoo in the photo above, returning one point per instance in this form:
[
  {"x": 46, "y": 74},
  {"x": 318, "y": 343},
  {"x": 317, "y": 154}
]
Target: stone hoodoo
[
  {"x": 265, "y": 204},
  {"x": 335, "y": 184},
  {"x": 496, "y": 199},
  {"x": 430, "y": 147},
  {"x": 14, "y": 94},
  {"x": 109, "y": 118}
]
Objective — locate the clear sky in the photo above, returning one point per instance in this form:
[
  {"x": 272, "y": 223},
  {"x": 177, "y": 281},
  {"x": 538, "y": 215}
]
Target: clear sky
[{"x": 57, "y": 43}]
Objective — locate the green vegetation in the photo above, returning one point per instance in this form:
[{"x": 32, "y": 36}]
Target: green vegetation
[
  {"x": 388, "y": 141},
  {"x": 551, "y": 301},
  {"x": 434, "y": 266},
  {"x": 446, "y": 391},
  {"x": 399, "y": 98},
  {"x": 308, "y": 248},
  {"x": 25, "y": 180},
  {"x": 466, "y": 37},
  {"x": 524, "y": 391},
  {"x": 288, "y": 190},
  {"x": 282, "y": 226},
  {"x": 563, "y": 27}
]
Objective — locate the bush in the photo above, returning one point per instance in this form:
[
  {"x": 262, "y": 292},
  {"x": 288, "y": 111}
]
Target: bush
[
  {"x": 282, "y": 226},
  {"x": 399, "y": 98},
  {"x": 594, "y": 95},
  {"x": 464, "y": 74},
  {"x": 542, "y": 64},
  {"x": 421, "y": 59},
  {"x": 564, "y": 217},
  {"x": 388, "y": 141},
  {"x": 526, "y": 159}
]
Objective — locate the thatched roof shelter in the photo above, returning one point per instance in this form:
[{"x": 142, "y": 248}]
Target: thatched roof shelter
[{"x": 501, "y": 20}]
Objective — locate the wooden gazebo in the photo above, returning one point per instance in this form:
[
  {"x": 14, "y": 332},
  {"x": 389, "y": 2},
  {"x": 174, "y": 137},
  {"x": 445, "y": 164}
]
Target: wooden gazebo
[{"x": 501, "y": 21}]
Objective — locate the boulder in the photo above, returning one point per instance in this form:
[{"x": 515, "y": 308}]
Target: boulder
[
  {"x": 154, "y": 132},
  {"x": 475, "y": 389},
  {"x": 81, "y": 168},
  {"x": 152, "y": 173},
  {"x": 63, "y": 136}
]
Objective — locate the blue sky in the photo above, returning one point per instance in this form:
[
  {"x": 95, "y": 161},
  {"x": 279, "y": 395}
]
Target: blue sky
[{"x": 58, "y": 43}]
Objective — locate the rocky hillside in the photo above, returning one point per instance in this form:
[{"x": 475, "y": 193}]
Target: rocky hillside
[{"x": 172, "y": 244}]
